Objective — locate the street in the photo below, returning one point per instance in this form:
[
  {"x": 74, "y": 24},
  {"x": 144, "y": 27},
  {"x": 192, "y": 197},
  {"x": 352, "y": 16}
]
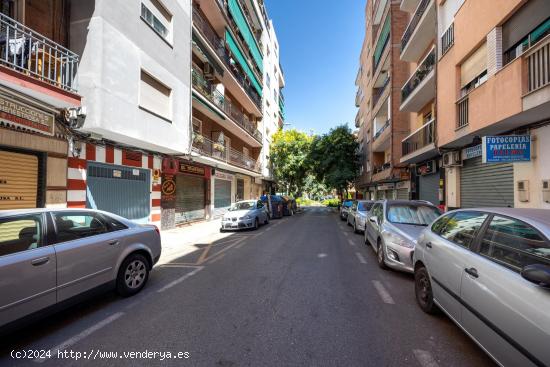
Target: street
[{"x": 303, "y": 290}]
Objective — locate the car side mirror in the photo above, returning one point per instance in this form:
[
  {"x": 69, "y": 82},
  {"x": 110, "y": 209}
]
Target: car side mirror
[
  {"x": 538, "y": 274},
  {"x": 374, "y": 219}
]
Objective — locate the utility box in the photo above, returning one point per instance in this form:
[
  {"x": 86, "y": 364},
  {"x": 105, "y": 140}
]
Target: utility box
[
  {"x": 523, "y": 191},
  {"x": 546, "y": 191}
]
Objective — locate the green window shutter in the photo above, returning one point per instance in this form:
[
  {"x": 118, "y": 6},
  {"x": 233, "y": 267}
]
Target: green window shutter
[
  {"x": 242, "y": 61},
  {"x": 382, "y": 40},
  {"x": 238, "y": 16}
]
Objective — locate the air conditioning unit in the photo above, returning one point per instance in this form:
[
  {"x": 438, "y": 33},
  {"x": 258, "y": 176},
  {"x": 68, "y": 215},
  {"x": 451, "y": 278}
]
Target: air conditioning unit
[
  {"x": 452, "y": 159},
  {"x": 208, "y": 72}
]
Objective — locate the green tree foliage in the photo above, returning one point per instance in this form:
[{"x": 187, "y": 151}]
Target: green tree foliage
[
  {"x": 288, "y": 154},
  {"x": 333, "y": 158}
]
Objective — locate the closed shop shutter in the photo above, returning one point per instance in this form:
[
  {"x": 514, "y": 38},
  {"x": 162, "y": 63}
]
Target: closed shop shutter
[
  {"x": 18, "y": 180},
  {"x": 402, "y": 194},
  {"x": 189, "y": 198},
  {"x": 428, "y": 188},
  {"x": 486, "y": 185},
  {"x": 222, "y": 196}
]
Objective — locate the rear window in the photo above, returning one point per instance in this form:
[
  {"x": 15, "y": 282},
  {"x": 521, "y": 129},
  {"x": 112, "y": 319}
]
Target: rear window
[
  {"x": 364, "y": 206},
  {"x": 348, "y": 204},
  {"x": 420, "y": 215}
]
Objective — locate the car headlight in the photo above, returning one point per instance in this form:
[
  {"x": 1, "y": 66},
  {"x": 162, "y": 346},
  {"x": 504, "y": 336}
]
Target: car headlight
[{"x": 398, "y": 240}]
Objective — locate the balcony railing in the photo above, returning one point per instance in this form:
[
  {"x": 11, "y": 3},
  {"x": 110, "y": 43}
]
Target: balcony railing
[
  {"x": 204, "y": 146},
  {"x": 420, "y": 138},
  {"x": 381, "y": 130},
  {"x": 382, "y": 168},
  {"x": 462, "y": 112},
  {"x": 217, "y": 44},
  {"x": 425, "y": 67},
  {"x": 207, "y": 90},
  {"x": 448, "y": 39},
  {"x": 422, "y": 6},
  {"x": 538, "y": 66},
  {"x": 28, "y": 52},
  {"x": 379, "y": 92}
]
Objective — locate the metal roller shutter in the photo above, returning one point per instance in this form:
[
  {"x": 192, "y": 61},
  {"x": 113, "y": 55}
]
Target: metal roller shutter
[
  {"x": 402, "y": 194},
  {"x": 18, "y": 180},
  {"x": 428, "y": 188},
  {"x": 222, "y": 196},
  {"x": 486, "y": 185},
  {"x": 189, "y": 198}
]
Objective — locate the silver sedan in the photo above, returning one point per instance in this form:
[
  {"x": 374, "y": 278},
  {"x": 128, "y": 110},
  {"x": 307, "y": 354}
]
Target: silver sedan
[
  {"x": 49, "y": 257},
  {"x": 358, "y": 213}
]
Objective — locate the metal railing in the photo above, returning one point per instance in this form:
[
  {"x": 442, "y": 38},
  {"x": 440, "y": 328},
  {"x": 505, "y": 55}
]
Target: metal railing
[
  {"x": 207, "y": 90},
  {"x": 421, "y": 8},
  {"x": 462, "y": 112},
  {"x": 538, "y": 66},
  {"x": 381, "y": 130},
  {"x": 380, "y": 91},
  {"x": 29, "y": 52},
  {"x": 448, "y": 39},
  {"x": 421, "y": 72},
  {"x": 217, "y": 44},
  {"x": 382, "y": 168},
  {"x": 204, "y": 146},
  {"x": 420, "y": 138}
]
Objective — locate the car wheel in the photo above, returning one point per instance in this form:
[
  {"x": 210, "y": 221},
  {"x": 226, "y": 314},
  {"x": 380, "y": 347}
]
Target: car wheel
[
  {"x": 132, "y": 275},
  {"x": 366, "y": 238},
  {"x": 256, "y": 224},
  {"x": 380, "y": 257},
  {"x": 355, "y": 230},
  {"x": 342, "y": 217},
  {"x": 423, "y": 291},
  {"x": 347, "y": 220},
  {"x": 266, "y": 219},
  {"x": 222, "y": 230}
]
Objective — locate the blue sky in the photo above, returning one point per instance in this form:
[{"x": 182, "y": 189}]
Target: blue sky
[{"x": 320, "y": 42}]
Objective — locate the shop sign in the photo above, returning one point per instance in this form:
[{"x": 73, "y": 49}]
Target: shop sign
[
  {"x": 156, "y": 176},
  {"x": 506, "y": 148},
  {"x": 223, "y": 175},
  {"x": 27, "y": 117},
  {"x": 472, "y": 152},
  {"x": 426, "y": 169},
  {"x": 168, "y": 192},
  {"x": 194, "y": 170},
  {"x": 386, "y": 187},
  {"x": 403, "y": 185}
]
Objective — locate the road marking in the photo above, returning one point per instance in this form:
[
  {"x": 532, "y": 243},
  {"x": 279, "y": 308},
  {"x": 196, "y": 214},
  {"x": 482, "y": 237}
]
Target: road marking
[
  {"x": 346, "y": 234},
  {"x": 361, "y": 258},
  {"x": 425, "y": 358},
  {"x": 181, "y": 279},
  {"x": 204, "y": 253},
  {"x": 351, "y": 243},
  {"x": 321, "y": 255},
  {"x": 75, "y": 339},
  {"x": 386, "y": 298},
  {"x": 216, "y": 259},
  {"x": 268, "y": 229}
]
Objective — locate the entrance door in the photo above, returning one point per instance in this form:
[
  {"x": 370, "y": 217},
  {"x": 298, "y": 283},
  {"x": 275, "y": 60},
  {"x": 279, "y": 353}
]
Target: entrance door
[
  {"x": 189, "y": 198},
  {"x": 120, "y": 190}
]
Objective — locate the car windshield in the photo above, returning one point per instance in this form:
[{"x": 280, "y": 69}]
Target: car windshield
[
  {"x": 244, "y": 205},
  {"x": 364, "y": 206},
  {"x": 420, "y": 215},
  {"x": 347, "y": 204}
]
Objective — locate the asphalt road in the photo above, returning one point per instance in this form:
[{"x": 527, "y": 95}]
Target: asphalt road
[{"x": 301, "y": 291}]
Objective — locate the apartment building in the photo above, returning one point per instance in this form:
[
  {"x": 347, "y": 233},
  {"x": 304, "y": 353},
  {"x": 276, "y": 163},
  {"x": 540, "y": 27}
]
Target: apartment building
[
  {"x": 493, "y": 102},
  {"x": 38, "y": 88},
  {"x": 419, "y": 49},
  {"x": 382, "y": 125}
]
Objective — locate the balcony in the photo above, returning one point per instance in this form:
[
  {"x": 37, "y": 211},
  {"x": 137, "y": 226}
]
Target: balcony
[
  {"x": 381, "y": 44},
  {"x": 408, "y": 5},
  {"x": 205, "y": 88},
  {"x": 379, "y": 7},
  {"x": 420, "y": 145},
  {"x": 420, "y": 88},
  {"x": 420, "y": 32},
  {"x": 379, "y": 92},
  {"x": 37, "y": 58},
  {"x": 381, "y": 130},
  {"x": 208, "y": 148},
  {"x": 358, "y": 97},
  {"x": 382, "y": 172},
  {"x": 217, "y": 44}
]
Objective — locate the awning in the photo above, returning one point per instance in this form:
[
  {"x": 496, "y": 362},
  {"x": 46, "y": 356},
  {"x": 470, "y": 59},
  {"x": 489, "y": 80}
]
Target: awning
[
  {"x": 238, "y": 16},
  {"x": 242, "y": 61}
]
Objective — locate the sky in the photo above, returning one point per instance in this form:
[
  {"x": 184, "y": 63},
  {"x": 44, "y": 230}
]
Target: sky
[{"x": 320, "y": 42}]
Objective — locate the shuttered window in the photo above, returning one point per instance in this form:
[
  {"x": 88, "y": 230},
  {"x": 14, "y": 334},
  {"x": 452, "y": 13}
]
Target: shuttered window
[
  {"x": 474, "y": 66},
  {"x": 527, "y": 18},
  {"x": 155, "y": 97},
  {"x": 18, "y": 180}
]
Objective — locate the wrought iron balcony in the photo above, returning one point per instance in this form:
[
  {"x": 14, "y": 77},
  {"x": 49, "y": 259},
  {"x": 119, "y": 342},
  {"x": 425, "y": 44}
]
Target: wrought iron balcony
[
  {"x": 422, "y": 6},
  {"x": 419, "y": 139},
  {"x": 30, "y": 53},
  {"x": 205, "y": 88},
  {"x": 421, "y": 72},
  {"x": 381, "y": 130},
  {"x": 378, "y": 92},
  {"x": 206, "y": 147}
]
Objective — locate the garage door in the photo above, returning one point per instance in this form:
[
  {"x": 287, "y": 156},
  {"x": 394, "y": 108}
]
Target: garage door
[
  {"x": 18, "y": 180},
  {"x": 486, "y": 185},
  {"x": 222, "y": 196},
  {"x": 189, "y": 198},
  {"x": 428, "y": 188},
  {"x": 121, "y": 190}
]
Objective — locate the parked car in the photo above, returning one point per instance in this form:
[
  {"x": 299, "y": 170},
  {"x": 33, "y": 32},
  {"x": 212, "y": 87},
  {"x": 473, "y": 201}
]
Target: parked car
[
  {"x": 49, "y": 257},
  {"x": 289, "y": 206},
  {"x": 344, "y": 209},
  {"x": 245, "y": 214},
  {"x": 489, "y": 270},
  {"x": 393, "y": 229},
  {"x": 357, "y": 216}
]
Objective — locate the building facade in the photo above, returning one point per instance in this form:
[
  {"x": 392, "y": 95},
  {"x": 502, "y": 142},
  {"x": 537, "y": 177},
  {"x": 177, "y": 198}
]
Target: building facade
[{"x": 382, "y": 125}]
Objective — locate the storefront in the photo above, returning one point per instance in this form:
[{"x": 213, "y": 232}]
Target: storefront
[
  {"x": 33, "y": 156},
  {"x": 403, "y": 190},
  {"x": 191, "y": 193},
  {"x": 223, "y": 192},
  {"x": 427, "y": 183}
]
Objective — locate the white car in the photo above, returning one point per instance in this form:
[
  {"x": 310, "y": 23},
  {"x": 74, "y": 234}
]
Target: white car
[
  {"x": 358, "y": 213},
  {"x": 245, "y": 215}
]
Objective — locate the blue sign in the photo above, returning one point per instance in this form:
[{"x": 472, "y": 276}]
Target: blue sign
[{"x": 506, "y": 148}]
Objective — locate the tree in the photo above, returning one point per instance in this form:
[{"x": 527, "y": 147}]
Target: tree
[
  {"x": 333, "y": 158},
  {"x": 288, "y": 154}
]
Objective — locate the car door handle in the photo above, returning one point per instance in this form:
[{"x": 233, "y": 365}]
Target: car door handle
[
  {"x": 114, "y": 242},
  {"x": 429, "y": 245},
  {"x": 40, "y": 261},
  {"x": 472, "y": 272}
]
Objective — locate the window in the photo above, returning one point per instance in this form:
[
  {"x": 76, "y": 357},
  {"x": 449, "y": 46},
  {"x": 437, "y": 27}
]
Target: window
[
  {"x": 364, "y": 206},
  {"x": 267, "y": 80},
  {"x": 197, "y": 126},
  {"x": 413, "y": 214},
  {"x": 155, "y": 97},
  {"x": 114, "y": 224},
  {"x": 157, "y": 17},
  {"x": 20, "y": 233},
  {"x": 473, "y": 71},
  {"x": 514, "y": 244},
  {"x": 260, "y": 204},
  {"x": 73, "y": 226},
  {"x": 440, "y": 224},
  {"x": 463, "y": 227}
]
